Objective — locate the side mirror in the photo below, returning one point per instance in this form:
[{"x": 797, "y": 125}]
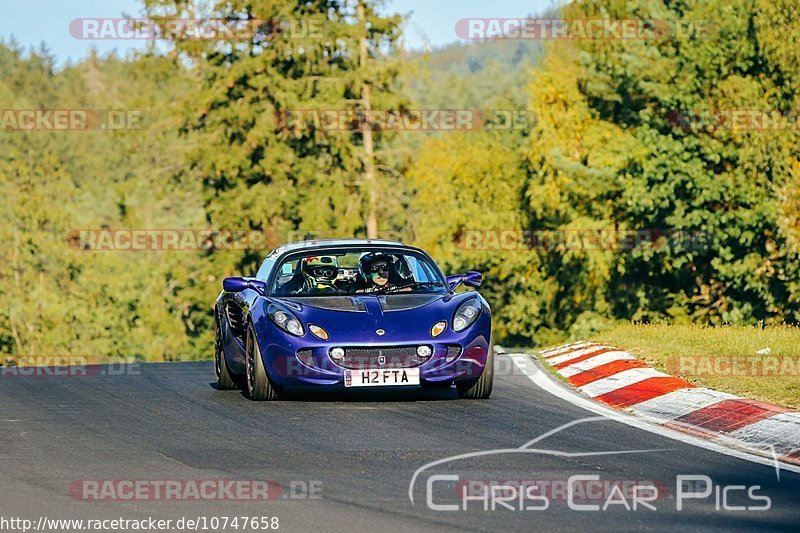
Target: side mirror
[
  {"x": 240, "y": 284},
  {"x": 470, "y": 278},
  {"x": 473, "y": 278}
]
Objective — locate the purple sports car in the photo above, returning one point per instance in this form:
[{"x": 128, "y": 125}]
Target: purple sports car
[{"x": 358, "y": 313}]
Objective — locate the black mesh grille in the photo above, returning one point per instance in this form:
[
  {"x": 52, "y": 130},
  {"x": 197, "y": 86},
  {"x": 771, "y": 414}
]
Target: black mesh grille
[
  {"x": 305, "y": 357},
  {"x": 453, "y": 352},
  {"x": 390, "y": 356}
]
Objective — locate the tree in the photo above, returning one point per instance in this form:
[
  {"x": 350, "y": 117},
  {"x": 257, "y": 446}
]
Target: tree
[
  {"x": 653, "y": 171},
  {"x": 263, "y": 168}
]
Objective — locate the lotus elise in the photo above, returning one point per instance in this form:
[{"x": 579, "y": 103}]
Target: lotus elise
[{"x": 352, "y": 313}]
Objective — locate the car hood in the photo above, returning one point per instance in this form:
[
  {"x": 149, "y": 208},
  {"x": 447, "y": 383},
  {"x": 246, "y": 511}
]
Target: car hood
[
  {"x": 356, "y": 303},
  {"x": 401, "y": 317}
]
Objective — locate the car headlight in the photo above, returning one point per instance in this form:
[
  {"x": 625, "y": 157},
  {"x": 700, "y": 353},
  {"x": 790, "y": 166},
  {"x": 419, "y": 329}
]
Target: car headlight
[
  {"x": 466, "y": 314},
  {"x": 285, "y": 320}
]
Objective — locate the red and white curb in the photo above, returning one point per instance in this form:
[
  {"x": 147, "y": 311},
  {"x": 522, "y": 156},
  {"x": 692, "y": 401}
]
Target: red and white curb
[{"x": 620, "y": 380}]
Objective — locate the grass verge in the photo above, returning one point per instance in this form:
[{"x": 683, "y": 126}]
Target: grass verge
[{"x": 724, "y": 358}]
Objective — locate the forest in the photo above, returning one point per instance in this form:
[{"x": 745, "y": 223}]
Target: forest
[{"x": 593, "y": 181}]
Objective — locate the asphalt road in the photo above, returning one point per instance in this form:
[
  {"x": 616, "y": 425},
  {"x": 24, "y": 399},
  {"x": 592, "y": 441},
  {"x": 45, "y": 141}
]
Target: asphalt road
[{"x": 356, "y": 453}]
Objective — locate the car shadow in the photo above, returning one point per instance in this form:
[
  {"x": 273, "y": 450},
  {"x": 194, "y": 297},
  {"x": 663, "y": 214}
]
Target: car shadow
[{"x": 365, "y": 395}]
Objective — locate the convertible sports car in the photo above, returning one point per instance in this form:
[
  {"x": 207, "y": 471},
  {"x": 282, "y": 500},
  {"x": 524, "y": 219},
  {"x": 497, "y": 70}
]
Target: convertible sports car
[{"x": 362, "y": 313}]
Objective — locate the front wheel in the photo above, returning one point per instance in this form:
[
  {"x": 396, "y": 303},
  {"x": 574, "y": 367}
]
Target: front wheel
[
  {"x": 259, "y": 386},
  {"x": 481, "y": 388}
]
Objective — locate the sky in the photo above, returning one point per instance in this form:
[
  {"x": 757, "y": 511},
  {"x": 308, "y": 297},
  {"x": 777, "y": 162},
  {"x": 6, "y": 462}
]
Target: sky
[{"x": 431, "y": 22}]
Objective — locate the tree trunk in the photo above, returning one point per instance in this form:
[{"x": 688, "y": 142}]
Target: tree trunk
[{"x": 370, "y": 179}]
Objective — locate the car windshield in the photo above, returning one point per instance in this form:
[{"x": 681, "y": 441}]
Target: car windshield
[{"x": 357, "y": 271}]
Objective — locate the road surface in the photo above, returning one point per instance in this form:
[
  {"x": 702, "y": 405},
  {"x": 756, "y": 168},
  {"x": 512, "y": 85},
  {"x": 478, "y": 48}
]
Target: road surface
[{"x": 344, "y": 460}]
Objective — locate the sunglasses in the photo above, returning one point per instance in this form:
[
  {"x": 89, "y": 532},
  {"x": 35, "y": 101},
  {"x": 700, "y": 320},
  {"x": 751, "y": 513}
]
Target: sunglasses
[
  {"x": 323, "y": 272},
  {"x": 379, "y": 268}
]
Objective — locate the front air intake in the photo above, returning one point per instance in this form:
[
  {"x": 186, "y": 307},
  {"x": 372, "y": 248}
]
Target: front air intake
[{"x": 382, "y": 357}]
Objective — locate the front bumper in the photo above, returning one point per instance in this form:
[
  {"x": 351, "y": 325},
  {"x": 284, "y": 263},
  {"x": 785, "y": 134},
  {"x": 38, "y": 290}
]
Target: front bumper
[{"x": 306, "y": 361}]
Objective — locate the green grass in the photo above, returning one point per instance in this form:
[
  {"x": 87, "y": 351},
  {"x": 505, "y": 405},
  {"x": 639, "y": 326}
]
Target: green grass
[{"x": 722, "y": 358}]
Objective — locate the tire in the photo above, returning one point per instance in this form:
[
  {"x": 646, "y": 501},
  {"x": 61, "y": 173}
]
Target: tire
[
  {"x": 480, "y": 388},
  {"x": 222, "y": 376},
  {"x": 259, "y": 386}
]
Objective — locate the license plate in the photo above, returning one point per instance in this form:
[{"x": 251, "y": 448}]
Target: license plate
[{"x": 383, "y": 377}]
